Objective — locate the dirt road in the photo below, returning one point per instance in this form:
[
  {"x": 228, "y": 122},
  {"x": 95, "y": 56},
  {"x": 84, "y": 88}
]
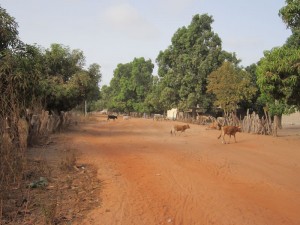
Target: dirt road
[{"x": 152, "y": 178}]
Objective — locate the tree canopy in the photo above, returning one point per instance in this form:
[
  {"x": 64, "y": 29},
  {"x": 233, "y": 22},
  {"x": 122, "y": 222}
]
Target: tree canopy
[
  {"x": 130, "y": 85},
  {"x": 279, "y": 75},
  {"x": 195, "y": 52},
  {"x": 290, "y": 14},
  {"x": 230, "y": 85},
  {"x": 8, "y": 32}
]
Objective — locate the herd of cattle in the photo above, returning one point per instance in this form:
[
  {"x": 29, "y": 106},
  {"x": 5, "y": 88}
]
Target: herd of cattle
[
  {"x": 229, "y": 130},
  {"x": 225, "y": 130}
]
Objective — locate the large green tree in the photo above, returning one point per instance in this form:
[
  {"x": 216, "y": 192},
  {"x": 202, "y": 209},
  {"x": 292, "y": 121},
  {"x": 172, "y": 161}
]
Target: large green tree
[
  {"x": 195, "y": 52},
  {"x": 279, "y": 75},
  {"x": 66, "y": 84},
  {"x": 278, "y": 72},
  {"x": 105, "y": 97},
  {"x": 130, "y": 85},
  {"x": 230, "y": 85}
]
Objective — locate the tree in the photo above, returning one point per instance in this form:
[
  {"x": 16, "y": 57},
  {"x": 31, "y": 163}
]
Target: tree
[
  {"x": 95, "y": 76},
  {"x": 253, "y": 104},
  {"x": 279, "y": 75},
  {"x": 195, "y": 52},
  {"x": 279, "y": 80},
  {"x": 12, "y": 84},
  {"x": 131, "y": 84},
  {"x": 105, "y": 97},
  {"x": 290, "y": 15},
  {"x": 62, "y": 61},
  {"x": 65, "y": 83},
  {"x": 8, "y": 32},
  {"x": 152, "y": 103},
  {"x": 230, "y": 85},
  {"x": 278, "y": 71}
]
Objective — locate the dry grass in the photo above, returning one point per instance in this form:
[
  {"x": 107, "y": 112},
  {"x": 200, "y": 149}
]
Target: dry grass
[{"x": 71, "y": 191}]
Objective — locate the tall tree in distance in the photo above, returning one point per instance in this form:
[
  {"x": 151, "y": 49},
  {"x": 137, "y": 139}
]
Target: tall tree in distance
[
  {"x": 130, "y": 85},
  {"x": 195, "y": 52}
]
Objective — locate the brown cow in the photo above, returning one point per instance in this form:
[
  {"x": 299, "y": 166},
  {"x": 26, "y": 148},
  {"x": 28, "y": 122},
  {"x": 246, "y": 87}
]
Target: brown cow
[
  {"x": 181, "y": 128},
  {"x": 229, "y": 130}
]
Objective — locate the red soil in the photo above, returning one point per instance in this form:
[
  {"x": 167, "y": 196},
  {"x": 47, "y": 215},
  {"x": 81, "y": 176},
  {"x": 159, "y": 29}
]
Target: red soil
[{"x": 151, "y": 177}]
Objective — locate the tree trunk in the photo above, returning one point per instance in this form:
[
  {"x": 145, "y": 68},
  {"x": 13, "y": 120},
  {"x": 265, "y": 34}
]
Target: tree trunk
[
  {"x": 276, "y": 125},
  {"x": 194, "y": 114},
  {"x": 280, "y": 121}
]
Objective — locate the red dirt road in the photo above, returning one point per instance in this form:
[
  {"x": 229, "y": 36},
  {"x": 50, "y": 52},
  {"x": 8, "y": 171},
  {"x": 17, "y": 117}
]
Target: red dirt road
[{"x": 152, "y": 178}]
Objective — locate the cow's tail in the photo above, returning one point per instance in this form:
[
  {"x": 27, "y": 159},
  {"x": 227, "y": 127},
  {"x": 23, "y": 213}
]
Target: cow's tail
[
  {"x": 171, "y": 132},
  {"x": 219, "y": 136}
]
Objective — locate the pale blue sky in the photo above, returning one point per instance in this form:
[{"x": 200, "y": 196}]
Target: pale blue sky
[{"x": 115, "y": 31}]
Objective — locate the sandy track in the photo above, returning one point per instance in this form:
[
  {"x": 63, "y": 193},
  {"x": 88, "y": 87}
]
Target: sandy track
[{"x": 151, "y": 177}]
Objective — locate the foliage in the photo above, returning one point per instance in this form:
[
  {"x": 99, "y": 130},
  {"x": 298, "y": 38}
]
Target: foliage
[
  {"x": 290, "y": 14},
  {"x": 195, "y": 52},
  {"x": 62, "y": 61},
  {"x": 64, "y": 83},
  {"x": 8, "y": 33},
  {"x": 230, "y": 85},
  {"x": 294, "y": 40},
  {"x": 252, "y": 104},
  {"x": 279, "y": 76},
  {"x": 130, "y": 85}
]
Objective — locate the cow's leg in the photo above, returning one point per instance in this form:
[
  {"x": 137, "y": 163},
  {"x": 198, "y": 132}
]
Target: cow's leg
[
  {"x": 234, "y": 138},
  {"x": 223, "y": 139},
  {"x": 229, "y": 138}
]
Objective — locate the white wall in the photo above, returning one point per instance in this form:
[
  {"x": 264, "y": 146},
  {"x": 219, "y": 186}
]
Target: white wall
[{"x": 292, "y": 119}]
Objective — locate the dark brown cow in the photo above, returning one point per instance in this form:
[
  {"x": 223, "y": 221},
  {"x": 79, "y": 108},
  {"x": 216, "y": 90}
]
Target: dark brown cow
[
  {"x": 112, "y": 117},
  {"x": 229, "y": 130},
  {"x": 181, "y": 128}
]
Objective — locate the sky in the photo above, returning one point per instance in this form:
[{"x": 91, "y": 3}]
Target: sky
[{"x": 110, "y": 32}]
